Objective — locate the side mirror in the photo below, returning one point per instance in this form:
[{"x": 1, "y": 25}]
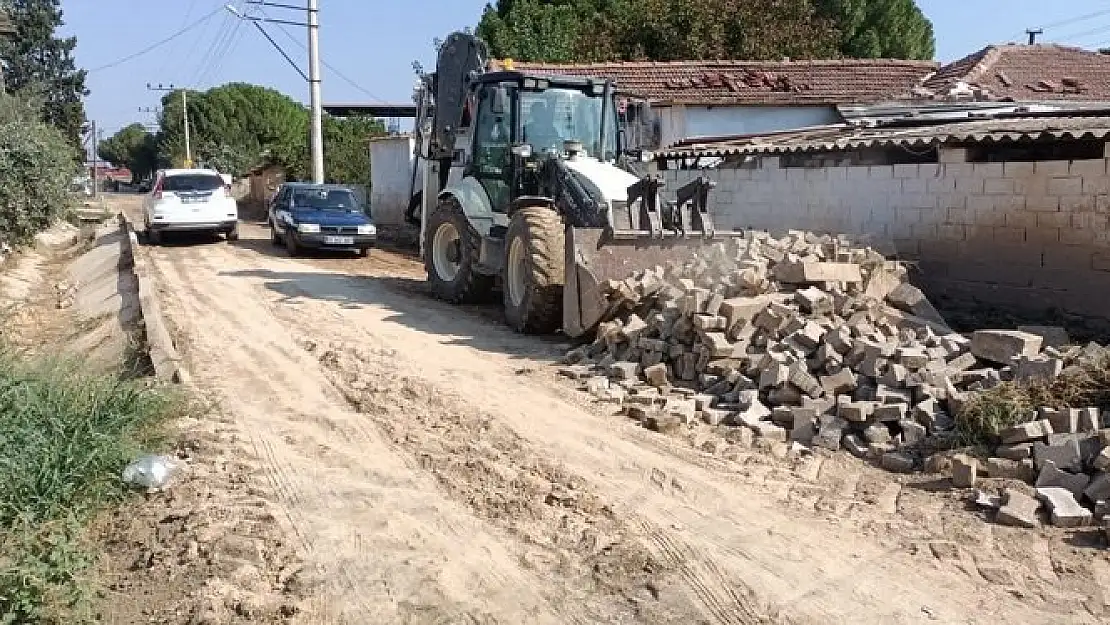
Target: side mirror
[
  {"x": 500, "y": 103},
  {"x": 522, "y": 150}
]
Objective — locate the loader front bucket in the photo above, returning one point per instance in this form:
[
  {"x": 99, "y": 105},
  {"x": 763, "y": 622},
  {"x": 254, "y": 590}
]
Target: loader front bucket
[{"x": 594, "y": 257}]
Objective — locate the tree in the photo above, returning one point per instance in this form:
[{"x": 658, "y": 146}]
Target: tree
[
  {"x": 40, "y": 63},
  {"x": 665, "y": 30},
  {"x": 881, "y": 28},
  {"x": 346, "y": 149},
  {"x": 134, "y": 148}
]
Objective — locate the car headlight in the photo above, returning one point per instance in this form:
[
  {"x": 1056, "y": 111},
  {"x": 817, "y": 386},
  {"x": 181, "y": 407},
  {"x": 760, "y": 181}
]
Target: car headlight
[
  {"x": 308, "y": 228},
  {"x": 367, "y": 229}
]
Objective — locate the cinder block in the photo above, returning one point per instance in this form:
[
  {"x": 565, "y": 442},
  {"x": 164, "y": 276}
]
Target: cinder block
[
  {"x": 1070, "y": 185},
  {"x": 1054, "y": 220},
  {"x": 1031, "y": 186},
  {"x": 1017, "y": 170},
  {"x": 980, "y": 202},
  {"x": 998, "y": 186},
  {"x": 1077, "y": 203},
  {"x": 1100, "y": 261},
  {"x": 952, "y": 232},
  {"x": 1004, "y": 234},
  {"x": 1042, "y": 235},
  {"x": 987, "y": 170},
  {"x": 1095, "y": 185},
  {"x": 1073, "y": 236},
  {"x": 1021, "y": 219},
  {"x": 880, "y": 172},
  {"x": 957, "y": 170},
  {"x": 1052, "y": 168},
  {"x": 969, "y": 184},
  {"x": 1089, "y": 167},
  {"x": 940, "y": 185}
]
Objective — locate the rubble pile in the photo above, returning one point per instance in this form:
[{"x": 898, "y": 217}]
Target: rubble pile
[{"x": 812, "y": 340}]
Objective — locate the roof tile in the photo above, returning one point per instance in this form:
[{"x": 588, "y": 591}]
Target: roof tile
[
  {"x": 842, "y": 81},
  {"x": 1030, "y": 72}
]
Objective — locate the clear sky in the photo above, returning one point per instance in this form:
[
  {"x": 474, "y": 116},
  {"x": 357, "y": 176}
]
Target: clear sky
[{"x": 370, "y": 44}]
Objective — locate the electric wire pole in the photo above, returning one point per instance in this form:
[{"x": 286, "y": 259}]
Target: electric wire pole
[
  {"x": 96, "y": 160},
  {"x": 184, "y": 114},
  {"x": 314, "y": 92}
]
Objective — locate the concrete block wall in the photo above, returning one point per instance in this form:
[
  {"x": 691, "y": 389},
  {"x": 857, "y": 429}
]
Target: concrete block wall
[{"x": 1024, "y": 235}]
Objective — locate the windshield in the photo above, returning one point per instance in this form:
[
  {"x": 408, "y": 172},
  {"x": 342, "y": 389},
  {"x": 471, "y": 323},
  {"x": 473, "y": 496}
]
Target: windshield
[
  {"x": 557, "y": 115},
  {"x": 192, "y": 182},
  {"x": 325, "y": 199}
]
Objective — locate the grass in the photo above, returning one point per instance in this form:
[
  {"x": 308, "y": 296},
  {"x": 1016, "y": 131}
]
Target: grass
[
  {"x": 1010, "y": 404},
  {"x": 65, "y": 435}
]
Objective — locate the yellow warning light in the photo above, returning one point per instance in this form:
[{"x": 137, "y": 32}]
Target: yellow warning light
[{"x": 509, "y": 64}]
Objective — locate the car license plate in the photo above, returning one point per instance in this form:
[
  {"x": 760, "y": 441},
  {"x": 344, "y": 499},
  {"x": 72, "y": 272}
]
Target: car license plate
[{"x": 339, "y": 240}]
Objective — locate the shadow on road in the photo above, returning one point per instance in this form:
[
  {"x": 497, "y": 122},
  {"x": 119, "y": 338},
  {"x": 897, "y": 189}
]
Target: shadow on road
[{"x": 408, "y": 303}]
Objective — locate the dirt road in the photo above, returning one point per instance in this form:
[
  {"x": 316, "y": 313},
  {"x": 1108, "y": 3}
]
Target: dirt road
[{"x": 431, "y": 467}]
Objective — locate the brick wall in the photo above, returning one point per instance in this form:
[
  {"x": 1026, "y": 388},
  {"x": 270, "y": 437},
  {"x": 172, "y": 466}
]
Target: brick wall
[{"x": 1026, "y": 236}]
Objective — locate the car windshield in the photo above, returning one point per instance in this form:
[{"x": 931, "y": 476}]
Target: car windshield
[
  {"x": 325, "y": 199},
  {"x": 192, "y": 182},
  {"x": 557, "y": 115}
]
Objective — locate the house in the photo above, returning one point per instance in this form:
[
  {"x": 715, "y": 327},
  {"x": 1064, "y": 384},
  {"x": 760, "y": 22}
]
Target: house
[
  {"x": 720, "y": 98},
  {"x": 264, "y": 181},
  {"x": 1023, "y": 73}
]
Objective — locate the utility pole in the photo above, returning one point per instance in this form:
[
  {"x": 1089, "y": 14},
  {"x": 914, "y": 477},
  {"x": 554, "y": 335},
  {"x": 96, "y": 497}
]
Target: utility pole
[
  {"x": 95, "y": 160},
  {"x": 314, "y": 92},
  {"x": 1033, "y": 35},
  {"x": 184, "y": 114}
]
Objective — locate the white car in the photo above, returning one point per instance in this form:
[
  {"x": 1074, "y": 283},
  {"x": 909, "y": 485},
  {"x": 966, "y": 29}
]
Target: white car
[{"x": 190, "y": 200}]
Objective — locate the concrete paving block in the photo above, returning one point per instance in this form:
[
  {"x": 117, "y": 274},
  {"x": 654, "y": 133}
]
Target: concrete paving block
[
  {"x": 623, "y": 370},
  {"x": 1028, "y": 368},
  {"x": 843, "y": 381},
  {"x": 855, "y": 446},
  {"x": 963, "y": 362},
  {"x": 857, "y": 411},
  {"x": 817, "y": 272},
  {"x": 656, "y": 375},
  {"x": 814, "y": 301},
  {"x": 1002, "y": 346},
  {"x": 709, "y": 322},
  {"x": 1027, "y": 432},
  {"x": 1018, "y": 510},
  {"x": 908, "y": 298},
  {"x": 1010, "y": 469},
  {"x": 1066, "y": 455},
  {"x": 1018, "y": 451},
  {"x": 913, "y": 433},
  {"x": 890, "y": 412},
  {"x": 768, "y": 430},
  {"x": 964, "y": 470},
  {"x": 1050, "y": 475},
  {"x": 897, "y": 461},
  {"x": 1065, "y": 510},
  {"x": 984, "y": 499},
  {"x": 1098, "y": 489},
  {"x": 1052, "y": 336},
  {"x": 830, "y": 432},
  {"x": 877, "y": 434},
  {"x": 1102, "y": 460}
]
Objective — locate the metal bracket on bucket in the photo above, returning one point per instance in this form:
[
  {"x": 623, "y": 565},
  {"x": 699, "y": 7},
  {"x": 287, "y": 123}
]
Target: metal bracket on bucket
[
  {"x": 696, "y": 194},
  {"x": 646, "y": 190}
]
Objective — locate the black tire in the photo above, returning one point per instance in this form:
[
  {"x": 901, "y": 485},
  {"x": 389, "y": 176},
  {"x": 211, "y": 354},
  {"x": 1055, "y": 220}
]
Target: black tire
[
  {"x": 275, "y": 238},
  {"x": 153, "y": 237},
  {"x": 233, "y": 234},
  {"x": 291, "y": 244},
  {"x": 467, "y": 286},
  {"x": 538, "y": 308},
  {"x": 363, "y": 252}
]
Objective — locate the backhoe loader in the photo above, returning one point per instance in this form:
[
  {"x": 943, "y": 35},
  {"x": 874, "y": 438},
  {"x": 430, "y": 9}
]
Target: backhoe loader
[{"x": 529, "y": 184}]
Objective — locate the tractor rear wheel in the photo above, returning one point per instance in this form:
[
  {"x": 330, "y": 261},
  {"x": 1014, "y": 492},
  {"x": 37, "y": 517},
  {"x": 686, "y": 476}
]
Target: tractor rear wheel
[
  {"x": 451, "y": 254},
  {"x": 535, "y": 271}
]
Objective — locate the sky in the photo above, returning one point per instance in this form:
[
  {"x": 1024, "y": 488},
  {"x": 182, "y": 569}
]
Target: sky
[{"x": 368, "y": 46}]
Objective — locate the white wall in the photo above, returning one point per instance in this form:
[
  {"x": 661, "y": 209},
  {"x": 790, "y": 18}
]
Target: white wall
[
  {"x": 685, "y": 122},
  {"x": 1024, "y": 235},
  {"x": 391, "y": 163}
]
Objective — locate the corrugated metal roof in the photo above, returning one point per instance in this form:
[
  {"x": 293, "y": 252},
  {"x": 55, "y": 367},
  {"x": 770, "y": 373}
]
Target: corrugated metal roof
[{"x": 841, "y": 137}]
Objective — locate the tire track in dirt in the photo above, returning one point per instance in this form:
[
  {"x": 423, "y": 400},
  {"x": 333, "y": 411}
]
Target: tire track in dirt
[{"x": 373, "y": 576}]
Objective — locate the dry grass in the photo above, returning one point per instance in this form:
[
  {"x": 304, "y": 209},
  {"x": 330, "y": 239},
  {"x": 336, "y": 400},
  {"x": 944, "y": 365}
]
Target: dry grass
[{"x": 1009, "y": 404}]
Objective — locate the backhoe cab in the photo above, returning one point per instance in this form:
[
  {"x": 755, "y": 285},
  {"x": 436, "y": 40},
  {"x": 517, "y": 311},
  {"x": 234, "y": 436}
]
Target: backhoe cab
[{"x": 529, "y": 184}]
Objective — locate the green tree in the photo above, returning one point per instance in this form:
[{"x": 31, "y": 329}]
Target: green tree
[
  {"x": 133, "y": 147},
  {"x": 40, "y": 63},
  {"x": 36, "y": 167},
  {"x": 665, "y": 30},
  {"x": 347, "y": 150},
  {"x": 881, "y": 28}
]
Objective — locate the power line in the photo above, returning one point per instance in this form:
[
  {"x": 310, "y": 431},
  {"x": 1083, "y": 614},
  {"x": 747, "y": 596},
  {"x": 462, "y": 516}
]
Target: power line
[
  {"x": 1086, "y": 33},
  {"x": 184, "y": 21},
  {"x": 335, "y": 71},
  {"x": 158, "y": 44}
]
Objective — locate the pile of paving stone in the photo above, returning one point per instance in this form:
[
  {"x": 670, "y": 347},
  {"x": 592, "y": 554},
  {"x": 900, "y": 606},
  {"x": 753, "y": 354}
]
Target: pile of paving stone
[{"x": 811, "y": 340}]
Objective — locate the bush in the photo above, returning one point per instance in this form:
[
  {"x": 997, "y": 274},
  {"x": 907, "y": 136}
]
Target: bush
[
  {"x": 65, "y": 435},
  {"x": 36, "y": 167}
]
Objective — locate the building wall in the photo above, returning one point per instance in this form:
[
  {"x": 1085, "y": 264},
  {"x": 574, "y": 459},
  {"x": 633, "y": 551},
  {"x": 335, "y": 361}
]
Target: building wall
[
  {"x": 1023, "y": 235},
  {"x": 684, "y": 122},
  {"x": 391, "y": 162}
]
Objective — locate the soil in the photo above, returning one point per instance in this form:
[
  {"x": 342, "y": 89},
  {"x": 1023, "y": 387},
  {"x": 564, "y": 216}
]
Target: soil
[{"x": 427, "y": 465}]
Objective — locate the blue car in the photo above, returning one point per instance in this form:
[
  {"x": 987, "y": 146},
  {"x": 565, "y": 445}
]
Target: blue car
[{"x": 320, "y": 216}]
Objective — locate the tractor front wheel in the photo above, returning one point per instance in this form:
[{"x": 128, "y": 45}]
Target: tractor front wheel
[
  {"x": 451, "y": 254},
  {"x": 535, "y": 271}
]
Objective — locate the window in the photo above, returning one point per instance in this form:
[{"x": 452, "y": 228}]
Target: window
[
  {"x": 492, "y": 138},
  {"x": 192, "y": 182},
  {"x": 325, "y": 199},
  {"x": 556, "y": 115}
]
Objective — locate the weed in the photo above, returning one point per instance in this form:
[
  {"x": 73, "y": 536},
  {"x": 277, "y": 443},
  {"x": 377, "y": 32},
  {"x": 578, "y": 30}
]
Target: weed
[
  {"x": 989, "y": 413},
  {"x": 64, "y": 436}
]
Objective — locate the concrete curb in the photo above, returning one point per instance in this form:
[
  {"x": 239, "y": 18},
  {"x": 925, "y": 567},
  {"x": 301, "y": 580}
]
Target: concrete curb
[{"x": 163, "y": 353}]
